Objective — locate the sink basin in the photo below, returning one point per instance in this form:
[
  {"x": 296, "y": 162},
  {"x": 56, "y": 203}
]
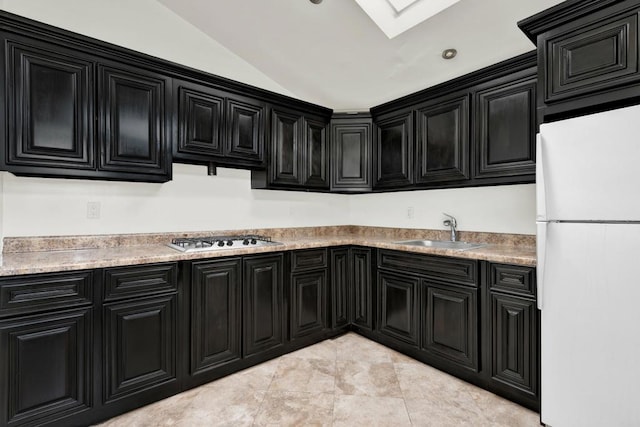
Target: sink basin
[{"x": 444, "y": 244}]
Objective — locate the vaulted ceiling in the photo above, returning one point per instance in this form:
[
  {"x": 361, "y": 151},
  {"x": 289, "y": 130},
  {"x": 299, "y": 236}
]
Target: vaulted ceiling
[{"x": 334, "y": 55}]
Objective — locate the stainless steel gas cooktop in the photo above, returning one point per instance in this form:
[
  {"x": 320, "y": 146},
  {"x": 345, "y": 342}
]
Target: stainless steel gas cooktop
[{"x": 216, "y": 243}]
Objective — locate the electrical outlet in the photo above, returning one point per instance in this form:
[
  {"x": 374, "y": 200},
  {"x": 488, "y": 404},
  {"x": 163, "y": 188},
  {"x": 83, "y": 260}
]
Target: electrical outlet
[
  {"x": 93, "y": 210},
  {"x": 410, "y": 212}
]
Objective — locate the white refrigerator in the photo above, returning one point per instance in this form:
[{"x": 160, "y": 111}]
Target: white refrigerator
[{"x": 588, "y": 219}]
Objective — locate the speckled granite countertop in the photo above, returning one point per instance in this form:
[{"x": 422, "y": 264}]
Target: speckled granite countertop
[{"x": 29, "y": 255}]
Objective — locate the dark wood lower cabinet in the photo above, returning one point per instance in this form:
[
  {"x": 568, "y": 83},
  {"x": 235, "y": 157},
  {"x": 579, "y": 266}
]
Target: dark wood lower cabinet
[
  {"x": 263, "y": 304},
  {"x": 398, "y": 311},
  {"x": 216, "y": 314},
  {"x": 308, "y": 303},
  {"x": 143, "y": 334},
  {"x": 450, "y": 324},
  {"x": 45, "y": 367},
  {"x": 362, "y": 282},
  {"x": 139, "y": 345}
]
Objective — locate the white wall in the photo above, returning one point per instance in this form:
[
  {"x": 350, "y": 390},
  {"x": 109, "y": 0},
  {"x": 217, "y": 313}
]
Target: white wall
[
  {"x": 504, "y": 209},
  {"x": 193, "y": 200}
]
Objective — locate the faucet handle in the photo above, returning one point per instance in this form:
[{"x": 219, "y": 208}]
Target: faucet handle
[{"x": 451, "y": 221}]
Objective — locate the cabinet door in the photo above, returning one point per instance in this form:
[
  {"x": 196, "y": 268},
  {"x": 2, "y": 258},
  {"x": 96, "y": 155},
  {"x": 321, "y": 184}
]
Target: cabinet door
[
  {"x": 340, "y": 269},
  {"x": 506, "y": 129},
  {"x": 45, "y": 367},
  {"x": 514, "y": 344},
  {"x": 216, "y": 314},
  {"x": 139, "y": 346},
  {"x": 133, "y": 122},
  {"x": 315, "y": 154},
  {"x": 450, "y": 324},
  {"x": 286, "y": 146},
  {"x": 398, "y": 313},
  {"x": 245, "y": 120},
  {"x": 308, "y": 303},
  {"x": 49, "y": 109},
  {"x": 351, "y": 154},
  {"x": 442, "y": 141},
  {"x": 362, "y": 285},
  {"x": 200, "y": 121},
  {"x": 262, "y": 303},
  {"x": 394, "y": 150}
]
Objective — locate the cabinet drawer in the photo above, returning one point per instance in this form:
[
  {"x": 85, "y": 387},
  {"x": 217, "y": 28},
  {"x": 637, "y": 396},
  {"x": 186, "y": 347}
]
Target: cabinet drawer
[
  {"x": 141, "y": 280},
  {"x": 512, "y": 278},
  {"x": 307, "y": 259},
  {"x": 33, "y": 293},
  {"x": 456, "y": 270}
]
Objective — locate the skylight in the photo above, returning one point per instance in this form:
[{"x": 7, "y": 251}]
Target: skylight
[{"x": 396, "y": 16}]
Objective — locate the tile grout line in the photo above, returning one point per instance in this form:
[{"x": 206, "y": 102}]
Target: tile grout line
[{"x": 266, "y": 392}]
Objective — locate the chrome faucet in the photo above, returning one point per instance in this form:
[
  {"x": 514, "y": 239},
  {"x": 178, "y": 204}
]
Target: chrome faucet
[{"x": 451, "y": 222}]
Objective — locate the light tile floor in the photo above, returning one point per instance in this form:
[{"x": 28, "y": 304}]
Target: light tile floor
[{"x": 347, "y": 381}]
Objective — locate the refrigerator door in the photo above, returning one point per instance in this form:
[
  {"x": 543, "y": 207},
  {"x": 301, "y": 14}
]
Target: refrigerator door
[
  {"x": 590, "y": 320},
  {"x": 589, "y": 168}
]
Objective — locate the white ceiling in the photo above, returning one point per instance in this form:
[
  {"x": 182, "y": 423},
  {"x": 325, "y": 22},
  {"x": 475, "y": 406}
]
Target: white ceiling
[{"x": 332, "y": 54}]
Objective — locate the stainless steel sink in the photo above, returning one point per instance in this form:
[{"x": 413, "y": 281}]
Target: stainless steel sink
[{"x": 444, "y": 244}]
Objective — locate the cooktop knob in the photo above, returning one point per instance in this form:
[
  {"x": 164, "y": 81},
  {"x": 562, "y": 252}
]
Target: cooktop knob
[
  {"x": 254, "y": 241},
  {"x": 220, "y": 243},
  {"x": 245, "y": 242},
  {"x": 229, "y": 242}
]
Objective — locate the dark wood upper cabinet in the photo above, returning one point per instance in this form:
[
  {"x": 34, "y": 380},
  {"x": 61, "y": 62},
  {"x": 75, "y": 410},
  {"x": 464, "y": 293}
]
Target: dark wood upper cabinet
[
  {"x": 286, "y": 135},
  {"x": 588, "y": 56},
  {"x": 214, "y": 126},
  {"x": 245, "y": 119},
  {"x": 394, "y": 150},
  {"x": 201, "y": 125},
  {"x": 132, "y": 121},
  {"x": 442, "y": 140},
  {"x": 351, "y": 147},
  {"x": 49, "y": 103},
  {"x": 315, "y": 161},
  {"x": 505, "y": 126},
  {"x": 298, "y": 152}
]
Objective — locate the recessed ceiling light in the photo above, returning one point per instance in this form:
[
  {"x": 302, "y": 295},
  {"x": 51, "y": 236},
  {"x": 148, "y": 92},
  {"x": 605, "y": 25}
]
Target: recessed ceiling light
[
  {"x": 449, "y": 53},
  {"x": 316, "y": 1}
]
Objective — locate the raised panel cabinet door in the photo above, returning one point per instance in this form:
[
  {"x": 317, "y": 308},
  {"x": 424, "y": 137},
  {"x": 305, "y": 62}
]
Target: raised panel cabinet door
[
  {"x": 340, "y": 268},
  {"x": 514, "y": 343},
  {"x": 442, "y": 141},
  {"x": 316, "y": 155},
  {"x": 245, "y": 128},
  {"x": 216, "y": 314},
  {"x": 132, "y": 120},
  {"x": 398, "y": 312},
  {"x": 45, "y": 367},
  {"x": 308, "y": 311},
  {"x": 362, "y": 288},
  {"x": 351, "y": 154},
  {"x": 286, "y": 143},
  {"x": 593, "y": 56},
  {"x": 450, "y": 324},
  {"x": 263, "y": 311},
  {"x": 139, "y": 346},
  {"x": 506, "y": 129},
  {"x": 394, "y": 150},
  {"x": 200, "y": 121},
  {"x": 49, "y": 108}
]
